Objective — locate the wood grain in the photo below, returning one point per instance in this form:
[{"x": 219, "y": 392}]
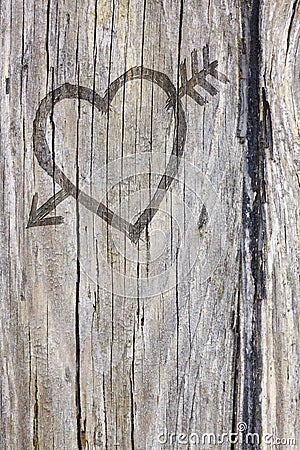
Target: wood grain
[
  {"x": 280, "y": 311},
  {"x": 193, "y": 327}
]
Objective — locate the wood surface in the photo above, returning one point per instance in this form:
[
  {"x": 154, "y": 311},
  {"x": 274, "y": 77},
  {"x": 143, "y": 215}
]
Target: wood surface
[{"x": 149, "y": 223}]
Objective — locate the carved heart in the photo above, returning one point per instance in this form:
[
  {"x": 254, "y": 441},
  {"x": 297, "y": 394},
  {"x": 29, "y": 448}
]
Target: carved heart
[{"x": 45, "y": 159}]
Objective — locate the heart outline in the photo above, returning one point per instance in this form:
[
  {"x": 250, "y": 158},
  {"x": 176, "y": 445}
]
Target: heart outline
[{"x": 45, "y": 158}]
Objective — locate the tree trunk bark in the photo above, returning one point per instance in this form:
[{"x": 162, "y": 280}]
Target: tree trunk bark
[{"x": 150, "y": 224}]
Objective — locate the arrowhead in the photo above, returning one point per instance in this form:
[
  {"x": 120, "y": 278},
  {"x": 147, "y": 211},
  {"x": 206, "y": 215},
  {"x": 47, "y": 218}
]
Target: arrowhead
[{"x": 37, "y": 216}]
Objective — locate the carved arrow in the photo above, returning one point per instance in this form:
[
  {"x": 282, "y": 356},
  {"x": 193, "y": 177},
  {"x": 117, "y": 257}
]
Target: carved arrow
[
  {"x": 38, "y": 216},
  {"x": 199, "y": 77}
]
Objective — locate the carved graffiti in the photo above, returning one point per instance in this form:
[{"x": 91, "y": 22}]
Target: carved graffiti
[{"x": 39, "y": 216}]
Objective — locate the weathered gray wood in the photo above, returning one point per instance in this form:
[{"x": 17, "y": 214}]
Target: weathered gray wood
[
  {"x": 280, "y": 313},
  {"x": 90, "y": 360}
]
